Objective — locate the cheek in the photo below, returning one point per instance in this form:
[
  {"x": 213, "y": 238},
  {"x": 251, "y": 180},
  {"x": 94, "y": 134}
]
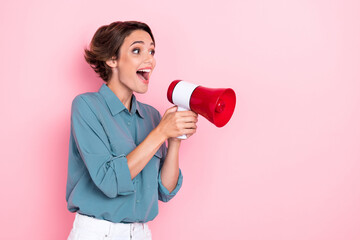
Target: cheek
[{"x": 127, "y": 66}]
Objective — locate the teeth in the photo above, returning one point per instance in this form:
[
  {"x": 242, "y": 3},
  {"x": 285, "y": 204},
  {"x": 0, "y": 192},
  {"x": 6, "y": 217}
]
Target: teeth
[{"x": 144, "y": 70}]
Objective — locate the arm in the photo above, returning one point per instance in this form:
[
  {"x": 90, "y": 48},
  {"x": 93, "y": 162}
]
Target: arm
[
  {"x": 141, "y": 155},
  {"x": 170, "y": 177},
  {"x": 170, "y": 168},
  {"x": 172, "y": 124}
]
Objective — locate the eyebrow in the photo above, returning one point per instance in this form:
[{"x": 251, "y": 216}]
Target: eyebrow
[{"x": 142, "y": 42}]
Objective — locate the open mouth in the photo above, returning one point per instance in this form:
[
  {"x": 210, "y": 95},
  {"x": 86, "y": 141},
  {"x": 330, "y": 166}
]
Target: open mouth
[{"x": 144, "y": 74}]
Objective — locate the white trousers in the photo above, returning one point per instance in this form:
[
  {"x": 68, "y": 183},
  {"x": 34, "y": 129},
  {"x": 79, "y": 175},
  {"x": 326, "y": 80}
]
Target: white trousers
[{"x": 88, "y": 228}]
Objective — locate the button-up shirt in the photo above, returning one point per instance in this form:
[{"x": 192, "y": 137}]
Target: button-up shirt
[{"x": 103, "y": 133}]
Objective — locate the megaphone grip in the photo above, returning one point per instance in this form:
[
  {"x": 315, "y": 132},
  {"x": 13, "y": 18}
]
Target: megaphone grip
[{"x": 183, "y": 137}]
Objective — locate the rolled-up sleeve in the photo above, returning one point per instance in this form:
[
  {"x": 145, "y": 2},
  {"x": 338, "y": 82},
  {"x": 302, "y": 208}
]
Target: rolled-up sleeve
[
  {"x": 110, "y": 173},
  {"x": 164, "y": 194}
]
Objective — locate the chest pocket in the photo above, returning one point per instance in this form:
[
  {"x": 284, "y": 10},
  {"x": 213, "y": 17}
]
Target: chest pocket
[{"x": 120, "y": 139}]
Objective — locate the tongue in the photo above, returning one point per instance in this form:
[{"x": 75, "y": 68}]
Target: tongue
[
  {"x": 143, "y": 75},
  {"x": 146, "y": 75}
]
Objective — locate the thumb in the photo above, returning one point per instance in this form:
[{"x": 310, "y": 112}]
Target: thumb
[{"x": 172, "y": 109}]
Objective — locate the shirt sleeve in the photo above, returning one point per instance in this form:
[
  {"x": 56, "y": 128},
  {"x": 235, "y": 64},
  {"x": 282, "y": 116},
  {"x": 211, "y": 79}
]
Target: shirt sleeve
[
  {"x": 164, "y": 194},
  {"x": 110, "y": 173}
]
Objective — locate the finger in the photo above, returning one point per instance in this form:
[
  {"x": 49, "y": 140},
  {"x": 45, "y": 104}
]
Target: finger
[
  {"x": 187, "y": 114},
  {"x": 188, "y": 131},
  {"x": 195, "y": 113},
  {"x": 188, "y": 126},
  {"x": 170, "y": 110},
  {"x": 189, "y": 119},
  {"x": 191, "y": 113}
]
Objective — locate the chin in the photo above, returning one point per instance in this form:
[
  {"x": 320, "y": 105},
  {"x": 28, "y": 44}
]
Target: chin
[{"x": 142, "y": 90}]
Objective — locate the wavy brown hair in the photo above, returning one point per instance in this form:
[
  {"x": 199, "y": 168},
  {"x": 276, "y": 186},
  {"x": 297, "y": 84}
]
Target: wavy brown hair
[{"x": 106, "y": 43}]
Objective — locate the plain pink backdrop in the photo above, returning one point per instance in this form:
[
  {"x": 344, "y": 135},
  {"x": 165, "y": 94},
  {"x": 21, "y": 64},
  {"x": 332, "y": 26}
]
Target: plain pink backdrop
[{"x": 285, "y": 167}]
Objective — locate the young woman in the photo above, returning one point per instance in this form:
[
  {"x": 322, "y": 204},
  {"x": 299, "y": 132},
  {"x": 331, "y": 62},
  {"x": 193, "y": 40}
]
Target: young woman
[{"x": 119, "y": 165}]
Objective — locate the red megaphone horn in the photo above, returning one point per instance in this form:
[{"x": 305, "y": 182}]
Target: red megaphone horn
[{"x": 215, "y": 104}]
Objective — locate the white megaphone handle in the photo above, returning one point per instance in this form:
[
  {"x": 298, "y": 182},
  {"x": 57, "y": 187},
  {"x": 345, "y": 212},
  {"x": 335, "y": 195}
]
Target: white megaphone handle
[{"x": 183, "y": 137}]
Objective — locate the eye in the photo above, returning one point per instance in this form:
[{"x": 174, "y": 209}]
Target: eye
[
  {"x": 136, "y": 50},
  {"x": 152, "y": 52}
]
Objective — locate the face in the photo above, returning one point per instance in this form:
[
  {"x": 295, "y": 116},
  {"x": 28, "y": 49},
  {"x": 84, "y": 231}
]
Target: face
[{"x": 136, "y": 62}]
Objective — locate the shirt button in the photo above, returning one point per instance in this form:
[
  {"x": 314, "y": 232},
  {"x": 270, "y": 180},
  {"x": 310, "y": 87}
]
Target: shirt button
[
  {"x": 128, "y": 123},
  {"x": 137, "y": 201}
]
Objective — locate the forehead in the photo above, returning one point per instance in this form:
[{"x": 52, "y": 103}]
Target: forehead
[{"x": 138, "y": 36}]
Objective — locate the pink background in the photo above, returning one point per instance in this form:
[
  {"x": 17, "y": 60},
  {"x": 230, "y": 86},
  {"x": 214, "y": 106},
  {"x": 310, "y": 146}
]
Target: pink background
[{"x": 285, "y": 167}]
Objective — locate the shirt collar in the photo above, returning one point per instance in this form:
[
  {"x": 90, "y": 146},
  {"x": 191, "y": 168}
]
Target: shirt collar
[{"x": 114, "y": 103}]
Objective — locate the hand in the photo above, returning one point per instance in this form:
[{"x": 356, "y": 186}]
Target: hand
[{"x": 174, "y": 124}]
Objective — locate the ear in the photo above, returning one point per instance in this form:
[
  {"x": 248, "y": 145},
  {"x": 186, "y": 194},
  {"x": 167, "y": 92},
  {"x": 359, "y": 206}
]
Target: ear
[{"x": 112, "y": 62}]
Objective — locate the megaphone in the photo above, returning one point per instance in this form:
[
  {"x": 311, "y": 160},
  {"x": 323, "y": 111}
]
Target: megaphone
[{"x": 215, "y": 104}]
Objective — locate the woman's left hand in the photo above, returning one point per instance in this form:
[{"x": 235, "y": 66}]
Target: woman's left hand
[{"x": 175, "y": 139}]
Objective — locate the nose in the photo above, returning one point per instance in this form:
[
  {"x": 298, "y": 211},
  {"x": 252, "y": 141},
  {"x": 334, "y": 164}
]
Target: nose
[{"x": 149, "y": 58}]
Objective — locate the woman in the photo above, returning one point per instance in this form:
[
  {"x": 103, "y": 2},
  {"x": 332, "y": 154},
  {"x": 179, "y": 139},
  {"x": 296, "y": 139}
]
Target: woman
[{"x": 119, "y": 166}]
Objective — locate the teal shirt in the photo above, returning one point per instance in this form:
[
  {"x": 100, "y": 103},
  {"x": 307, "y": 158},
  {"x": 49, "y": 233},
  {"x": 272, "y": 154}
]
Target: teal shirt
[{"x": 103, "y": 133}]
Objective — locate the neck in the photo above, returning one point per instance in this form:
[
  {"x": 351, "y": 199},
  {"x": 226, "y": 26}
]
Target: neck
[{"x": 123, "y": 93}]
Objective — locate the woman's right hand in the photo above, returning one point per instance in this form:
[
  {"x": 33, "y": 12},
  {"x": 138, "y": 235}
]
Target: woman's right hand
[{"x": 174, "y": 124}]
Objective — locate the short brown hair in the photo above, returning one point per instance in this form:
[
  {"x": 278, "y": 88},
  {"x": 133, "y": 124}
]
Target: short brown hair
[{"x": 106, "y": 44}]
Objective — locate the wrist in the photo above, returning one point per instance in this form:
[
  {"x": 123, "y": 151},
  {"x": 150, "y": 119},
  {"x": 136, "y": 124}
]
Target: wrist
[
  {"x": 159, "y": 134},
  {"x": 174, "y": 141}
]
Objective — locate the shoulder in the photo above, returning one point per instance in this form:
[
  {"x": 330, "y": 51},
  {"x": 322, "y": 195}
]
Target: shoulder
[
  {"x": 88, "y": 97},
  {"x": 86, "y": 101}
]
